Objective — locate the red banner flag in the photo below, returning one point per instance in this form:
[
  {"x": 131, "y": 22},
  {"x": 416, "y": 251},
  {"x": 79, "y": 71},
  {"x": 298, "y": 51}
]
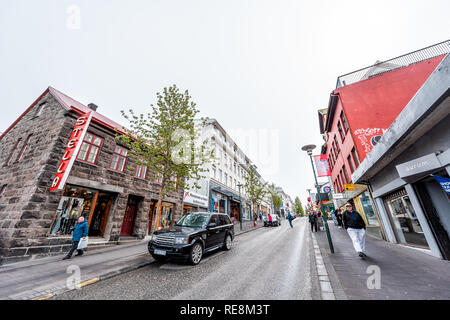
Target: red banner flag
[
  {"x": 73, "y": 146},
  {"x": 322, "y": 166}
]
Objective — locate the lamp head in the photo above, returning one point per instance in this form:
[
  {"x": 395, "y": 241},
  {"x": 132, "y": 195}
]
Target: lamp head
[{"x": 309, "y": 148}]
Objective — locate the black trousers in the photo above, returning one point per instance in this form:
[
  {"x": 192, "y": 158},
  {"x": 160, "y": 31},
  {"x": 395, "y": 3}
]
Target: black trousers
[
  {"x": 313, "y": 225},
  {"x": 73, "y": 248}
]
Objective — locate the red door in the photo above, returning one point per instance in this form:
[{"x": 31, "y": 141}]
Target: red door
[{"x": 128, "y": 219}]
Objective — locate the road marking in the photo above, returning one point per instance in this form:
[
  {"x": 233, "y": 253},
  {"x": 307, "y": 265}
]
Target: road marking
[
  {"x": 45, "y": 297},
  {"x": 88, "y": 282}
]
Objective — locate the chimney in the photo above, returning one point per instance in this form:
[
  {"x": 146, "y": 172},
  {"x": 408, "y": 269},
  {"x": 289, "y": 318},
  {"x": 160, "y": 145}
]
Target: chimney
[{"x": 93, "y": 106}]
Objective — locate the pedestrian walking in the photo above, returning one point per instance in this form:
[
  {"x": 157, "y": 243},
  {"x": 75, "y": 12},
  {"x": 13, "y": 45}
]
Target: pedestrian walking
[
  {"x": 290, "y": 219},
  {"x": 313, "y": 221},
  {"x": 260, "y": 216},
  {"x": 80, "y": 231},
  {"x": 356, "y": 228},
  {"x": 339, "y": 217}
]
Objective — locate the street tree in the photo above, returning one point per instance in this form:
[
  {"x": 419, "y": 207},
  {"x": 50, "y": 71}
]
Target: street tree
[
  {"x": 277, "y": 202},
  {"x": 273, "y": 193},
  {"x": 256, "y": 190},
  {"x": 298, "y": 207},
  {"x": 167, "y": 141}
]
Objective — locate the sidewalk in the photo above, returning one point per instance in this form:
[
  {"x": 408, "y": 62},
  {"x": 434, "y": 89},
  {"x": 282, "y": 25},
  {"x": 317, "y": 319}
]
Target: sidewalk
[
  {"x": 406, "y": 273},
  {"x": 47, "y": 276}
]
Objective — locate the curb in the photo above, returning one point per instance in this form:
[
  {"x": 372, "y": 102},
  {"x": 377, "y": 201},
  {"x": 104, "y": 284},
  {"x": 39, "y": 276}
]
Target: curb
[
  {"x": 326, "y": 289},
  {"x": 48, "y": 294}
]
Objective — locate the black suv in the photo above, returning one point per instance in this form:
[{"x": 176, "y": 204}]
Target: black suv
[{"x": 193, "y": 235}]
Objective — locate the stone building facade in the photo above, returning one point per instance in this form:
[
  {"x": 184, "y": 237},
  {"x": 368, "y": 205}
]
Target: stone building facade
[{"x": 35, "y": 222}]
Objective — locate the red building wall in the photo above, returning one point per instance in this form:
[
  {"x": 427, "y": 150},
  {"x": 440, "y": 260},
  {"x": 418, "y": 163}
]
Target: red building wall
[{"x": 370, "y": 106}]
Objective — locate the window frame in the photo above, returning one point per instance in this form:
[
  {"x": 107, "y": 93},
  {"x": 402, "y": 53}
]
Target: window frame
[
  {"x": 8, "y": 160},
  {"x": 341, "y": 132},
  {"x": 24, "y": 147},
  {"x": 356, "y": 160},
  {"x": 344, "y": 121},
  {"x": 90, "y": 148},
  {"x": 140, "y": 175},
  {"x": 118, "y": 161}
]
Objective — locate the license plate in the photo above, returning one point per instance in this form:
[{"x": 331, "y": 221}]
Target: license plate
[{"x": 160, "y": 252}]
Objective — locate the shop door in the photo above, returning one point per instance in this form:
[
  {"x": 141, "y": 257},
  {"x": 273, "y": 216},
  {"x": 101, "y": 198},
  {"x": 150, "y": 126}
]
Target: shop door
[
  {"x": 129, "y": 218},
  {"x": 422, "y": 189},
  {"x": 99, "y": 217}
]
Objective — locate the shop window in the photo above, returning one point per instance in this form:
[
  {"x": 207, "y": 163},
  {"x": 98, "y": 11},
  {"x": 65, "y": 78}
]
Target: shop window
[
  {"x": 22, "y": 151},
  {"x": 76, "y": 202},
  {"x": 344, "y": 121},
  {"x": 404, "y": 220},
  {"x": 12, "y": 152},
  {"x": 341, "y": 132},
  {"x": 119, "y": 159},
  {"x": 90, "y": 148}
]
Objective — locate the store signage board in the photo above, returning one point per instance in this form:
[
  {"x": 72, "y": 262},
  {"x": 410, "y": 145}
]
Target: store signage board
[
  {"x": 338, "y": 196},
  {"x": 73, "y": 146},
  {"x": 444, "y": 182},
  {"x": 420, "y": 165},
  {"x": 349, "y": 187},
  {"x": 195, "y": 198}
]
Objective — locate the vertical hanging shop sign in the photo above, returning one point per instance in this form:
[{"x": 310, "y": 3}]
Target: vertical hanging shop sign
[
  {"x": 73, "y": 146},
  {"x": 322, "y": 166}
]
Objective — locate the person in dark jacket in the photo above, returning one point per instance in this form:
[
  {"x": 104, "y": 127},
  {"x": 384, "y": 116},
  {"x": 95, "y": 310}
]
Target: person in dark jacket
[
  {"x": 290, "y": 219},
  {"x": 80, "y": 231},
  {"x": 338, "y": 215},
  {"x": 356, "y": 228},
  {"x": 313, "y": 221}
]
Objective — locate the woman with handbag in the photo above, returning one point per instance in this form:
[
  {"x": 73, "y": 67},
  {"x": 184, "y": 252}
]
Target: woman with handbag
[{"x": 79, "y": 234}]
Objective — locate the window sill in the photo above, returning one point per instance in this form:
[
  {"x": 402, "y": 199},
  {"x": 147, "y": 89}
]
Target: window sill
[
  {"x": 115, "y": 171},
  {"x": 86, "y": 162}
]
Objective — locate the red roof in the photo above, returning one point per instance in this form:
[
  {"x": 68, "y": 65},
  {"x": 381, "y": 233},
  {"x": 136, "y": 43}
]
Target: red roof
[{"x": 70, "y": 104}]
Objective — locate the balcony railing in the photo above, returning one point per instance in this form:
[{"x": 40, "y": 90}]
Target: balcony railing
[{"x": 394, "y": 63}]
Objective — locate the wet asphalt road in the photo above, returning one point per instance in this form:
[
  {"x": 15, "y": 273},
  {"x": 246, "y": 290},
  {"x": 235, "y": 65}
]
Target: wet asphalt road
[{"x": 269, "y": 263}]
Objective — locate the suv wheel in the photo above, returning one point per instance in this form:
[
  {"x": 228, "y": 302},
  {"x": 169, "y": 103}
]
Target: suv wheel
[
  {"x": 196, "y": 253},
  {"x": 228, "y": 241}
]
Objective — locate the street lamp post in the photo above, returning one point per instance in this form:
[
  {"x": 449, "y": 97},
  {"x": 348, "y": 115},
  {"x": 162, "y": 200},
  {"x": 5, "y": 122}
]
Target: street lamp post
[
  {"x": 309, "y": 148},
  {"x": 240, "y": 205}
]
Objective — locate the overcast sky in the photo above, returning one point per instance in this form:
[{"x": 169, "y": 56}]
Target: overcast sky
[{"x": 261, "y": 68}]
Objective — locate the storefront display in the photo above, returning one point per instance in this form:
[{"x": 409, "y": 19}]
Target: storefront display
[
  {"x": 166, "y": 218},
  {"x": 234, "y": 211},
  {"x": 220, "y": 202},
  {"x": 88, "y": 203},
  {"x": 404, "y": 220}
]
